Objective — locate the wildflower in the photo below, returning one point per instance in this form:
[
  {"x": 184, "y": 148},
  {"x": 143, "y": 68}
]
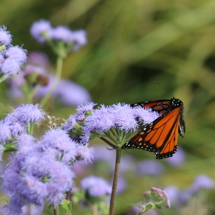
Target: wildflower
[
  {"x": 39, "y": 29},
  {"x": 5, "y": 36},
  {"x": 150, "y": 167},
  {"x": 87, "y": 107},
  {"x": 28, "y": 113},
  {"x": 16, "y": 53},
  {"x": 178, "y": 159},
  {"x": 79, "y": 38},
  {"x": 145, "y": 116},
  {"x": 5, "y": 133},
  {"x": 10, "y": 67},
  {"x": 85, "y": 153},
  {"x": 62, "y": 33},
  {"x": 124, "y": 117},
  {"x": 71, "y": 94},
  {"x": 95, "y": 186}
]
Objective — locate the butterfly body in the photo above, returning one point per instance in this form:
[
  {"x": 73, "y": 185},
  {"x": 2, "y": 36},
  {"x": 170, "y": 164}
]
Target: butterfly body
[{"x": 160, "y": 136}]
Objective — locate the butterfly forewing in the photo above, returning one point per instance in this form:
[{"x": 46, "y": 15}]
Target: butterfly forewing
[{"x": 161, "y": 135}]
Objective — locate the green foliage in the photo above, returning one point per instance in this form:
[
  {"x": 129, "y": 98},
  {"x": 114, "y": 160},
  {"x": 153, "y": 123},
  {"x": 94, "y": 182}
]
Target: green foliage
[{"x": 131, "y": 44}]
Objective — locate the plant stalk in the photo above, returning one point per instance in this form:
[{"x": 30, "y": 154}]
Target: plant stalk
[
  {"x": 56, "y": 210},
  {"x": 115, "y": 180},
  {"x": 56, "y": 81}
]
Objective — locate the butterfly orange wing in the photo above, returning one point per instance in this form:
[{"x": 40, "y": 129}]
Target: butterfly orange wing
[{"x": 161, "y": 135}]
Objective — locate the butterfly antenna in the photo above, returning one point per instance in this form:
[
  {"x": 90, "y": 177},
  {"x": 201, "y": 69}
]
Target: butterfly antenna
[{"x": 162, "y": 87}]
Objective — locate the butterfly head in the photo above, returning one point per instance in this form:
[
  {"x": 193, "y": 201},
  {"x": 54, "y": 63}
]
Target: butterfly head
[{"x": 176, "y": 102}]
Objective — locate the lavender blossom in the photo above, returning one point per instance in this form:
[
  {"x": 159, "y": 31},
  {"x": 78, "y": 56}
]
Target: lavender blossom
[
  {"x": 172, "y": 192},
  {"x": 29, "y": 113},
  {"x": 79, "y": 38},
  {"x": 150, "y": 167},
  {"x": 34, "y": 174},
  {"x": 5, "y": 133},
  {"x": 62, "y": 33},
  {"x": 5, "y": 36},
  {"x": 203, "y": 182},
  {"x": 10, "y": 67},
  {"x": 124, "y": 117},
  {"x": 145, "y": 116},
  {"x": 59, "y": 144},
  {"x": 16, "y": 53},
  {"x": 39, "y": 29},
  {"x": 71, "y": 94},
  {"x": 200, "y": 182},
  {"x": 95, "y": 186},
  {"x": 85, "y": 153},
  {"x": 86, "y": 108},
  {"x": 178, "y": 159}
]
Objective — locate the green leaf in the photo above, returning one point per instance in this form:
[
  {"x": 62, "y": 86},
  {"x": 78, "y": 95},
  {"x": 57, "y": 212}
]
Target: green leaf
[{"x": 67, "y": 206}]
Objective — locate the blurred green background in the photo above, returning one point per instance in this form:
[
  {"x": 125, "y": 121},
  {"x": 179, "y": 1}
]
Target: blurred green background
[{"x": 130, "y": 44}]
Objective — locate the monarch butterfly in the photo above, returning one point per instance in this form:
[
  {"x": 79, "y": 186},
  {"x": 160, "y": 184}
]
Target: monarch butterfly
[{"x": 160, "y": 136}]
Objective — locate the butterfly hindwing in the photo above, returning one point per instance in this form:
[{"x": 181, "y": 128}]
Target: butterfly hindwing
[{"x": 161, "y": 135}]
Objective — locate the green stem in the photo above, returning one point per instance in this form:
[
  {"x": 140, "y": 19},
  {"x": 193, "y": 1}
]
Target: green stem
[
  {"x": 56, "y": 210},
  {"x": 57, "y": 79},
  {"x": 115, "y": 181},
  {"x": 108, "y": 142},
  {"x": 3, "y": 78},
  {"x": 30, "y": 128}
]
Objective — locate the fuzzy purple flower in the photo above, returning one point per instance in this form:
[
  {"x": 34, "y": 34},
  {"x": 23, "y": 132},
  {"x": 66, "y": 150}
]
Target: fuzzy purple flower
[
  {"x": 178, "y": 159},
  {"x": 38, "y": 59},
  {"x": 123, "y": 117},
  {"x": 29, "y": 113},
  {"x": 86, "y": 107},
  {"x": 16, "y": 53},
  {"x": 34, "y": 174},
  {"x": 95, "y": 186},
  {"x": 203, "y": 182},
  {"x": 200, "y": 182},
  {"x": 79, "y": 38},
  {"x": 39, "y": 28},
  {"x": 10, "y": 67},
  {"x": 5, "y": 36},
  {"x": 101, "y": 120},
  {"x": 62, "y": 33},
  {"x": 71, "y": 94},
  {"x": 85, "y": 153},
  {"x": 5, "y": 133},
  {"x": 150, "y": 167},
  {"x": 145, "y": 115},
  {"x": 70, "y": 123},
  {"x": 172, "y": 192},
  {"x": 60, "y": 144}
]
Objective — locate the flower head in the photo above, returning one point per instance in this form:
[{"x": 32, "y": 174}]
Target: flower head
[
  {"x": 5, "y": 36},
  {"x": 5, "y": 133},
  {"x": 150, "y": 167},
  {"x": 95, "y": 186},
  {"x": 16, "y": 53},
  {"x": 39, "y": 28},
  {"x": 10, "y": 67},
  {"x": 79, "y": 38},
  {"x": 85, "y": 153},
  {"x": 29, "y": 113},
  {"x": 62, "y": 33}
]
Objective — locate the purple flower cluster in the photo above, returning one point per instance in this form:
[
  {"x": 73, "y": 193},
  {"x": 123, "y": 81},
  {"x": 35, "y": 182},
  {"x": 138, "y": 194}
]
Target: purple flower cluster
[
  {"x": 35, "y": 75},
  {"x": 11, "y": 57},
  {"x": 40, "y": 169},
  {"x": 95, "y": 186},
  {"x": 101, "y": 120},
  {"x": 42, "y": 31},
  {"x": 16, "y": 122},
  {"x": 182, "y": 196}
]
